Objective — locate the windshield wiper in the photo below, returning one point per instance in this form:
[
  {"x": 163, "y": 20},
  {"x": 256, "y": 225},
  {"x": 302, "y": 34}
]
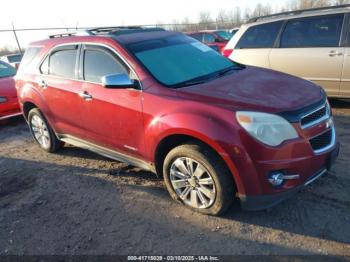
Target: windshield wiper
[
  {"x": 192, "y": 83},
  {"x": 195, "y": 81},
  {"x": 206, "y": 78},
  {"x": 226, "y": 70}
]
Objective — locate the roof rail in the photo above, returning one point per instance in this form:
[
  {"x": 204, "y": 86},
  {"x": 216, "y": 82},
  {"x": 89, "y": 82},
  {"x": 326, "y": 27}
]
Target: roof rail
[
  {"x": 115, "y": 30},
  {"x": 297, "y": 12},
  {"x": 104, "y": 30},
  {"x": 119, "y": 30},
  {"x": 61, "y": 35}
]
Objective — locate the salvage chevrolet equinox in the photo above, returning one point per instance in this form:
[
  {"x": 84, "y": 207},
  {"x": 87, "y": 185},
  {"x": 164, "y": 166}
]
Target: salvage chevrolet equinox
[{"x": 163, "y": 101}]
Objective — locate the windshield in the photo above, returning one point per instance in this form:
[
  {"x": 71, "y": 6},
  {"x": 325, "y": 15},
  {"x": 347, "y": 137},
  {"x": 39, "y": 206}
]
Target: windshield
[
  {"x": 225, "y": 35},
  {"x": 180, "y": 60},
  {"x": 6, "y": 70}
]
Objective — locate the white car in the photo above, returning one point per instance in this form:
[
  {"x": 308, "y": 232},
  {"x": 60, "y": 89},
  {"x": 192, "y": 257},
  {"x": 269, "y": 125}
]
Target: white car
[{"x": 313, "y": 44}]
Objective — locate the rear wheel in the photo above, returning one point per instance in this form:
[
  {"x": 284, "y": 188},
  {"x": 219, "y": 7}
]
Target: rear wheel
[
  {"x": 42, "y": 132},
  {"x": 198, "y": 178}
]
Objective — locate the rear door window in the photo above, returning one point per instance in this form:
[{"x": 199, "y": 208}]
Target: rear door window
[
  {"x": 321, "y": 31},
  {"x": 208, "y": 38},
  {"x": 260, "y": 36},
  {"x": 62, "y": 63},
  {"x": 99, "y": 63}
]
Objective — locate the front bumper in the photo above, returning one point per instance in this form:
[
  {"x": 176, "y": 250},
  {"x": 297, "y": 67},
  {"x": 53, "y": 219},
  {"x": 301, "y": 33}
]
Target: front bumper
[{"x": 260, "y": 202}]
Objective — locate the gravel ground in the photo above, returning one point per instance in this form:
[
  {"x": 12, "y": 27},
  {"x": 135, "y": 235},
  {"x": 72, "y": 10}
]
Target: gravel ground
[{"x": 76, "y": 202}]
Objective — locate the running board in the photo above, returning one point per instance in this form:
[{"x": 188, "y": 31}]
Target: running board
[{"x": 107, "y": 152}]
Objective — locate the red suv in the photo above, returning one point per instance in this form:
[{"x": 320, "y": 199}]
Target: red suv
[{"x": 160, "y": 100}]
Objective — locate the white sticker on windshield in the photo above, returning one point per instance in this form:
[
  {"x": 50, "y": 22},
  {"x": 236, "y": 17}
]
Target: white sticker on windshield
[{"x": 202, "y": 47}]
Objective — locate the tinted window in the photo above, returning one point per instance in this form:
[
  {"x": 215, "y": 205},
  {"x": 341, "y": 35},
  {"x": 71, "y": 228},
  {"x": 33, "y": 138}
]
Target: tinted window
[
  {"x": 62, "y": 63},
  {"x": 177, "y": 60},
  {"x": 100, "y": 63},
  {"x": 224, "y": 34},
  {"x": 260, "y": 36},
  {"x": 198, "y": 36},
  {"x": 208, "y": 38},
  {"x": 6, "y": 70},
  {"x": 313, "y": 32},
  {"x": 14, "y": 58}
]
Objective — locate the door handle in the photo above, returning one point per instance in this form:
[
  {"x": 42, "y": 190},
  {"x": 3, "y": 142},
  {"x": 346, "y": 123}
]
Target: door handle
[
  {"x": 334, "y": 53},
  {"x": 42, "y": 83},
  {"x": 85, "y": 95}
]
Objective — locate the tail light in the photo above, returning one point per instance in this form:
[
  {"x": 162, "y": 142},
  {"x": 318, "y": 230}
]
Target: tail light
[{"x": 227, "y": 52}]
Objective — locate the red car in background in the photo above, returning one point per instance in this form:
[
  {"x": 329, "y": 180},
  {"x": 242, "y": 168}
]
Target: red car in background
[
  {"x": 216, "y": 39},
  {"x": 9, "y": 106}
]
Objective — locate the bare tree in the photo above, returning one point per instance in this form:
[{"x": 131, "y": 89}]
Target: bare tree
[
  {"x": 247, "y": 14},
  {"x": 205, "y": 20},
  {"x": 237, "y": 18},
  {"x": 261, "y": 10},
  {"x": 6, "y": 50},
  {"x": 221, "y": 18}
]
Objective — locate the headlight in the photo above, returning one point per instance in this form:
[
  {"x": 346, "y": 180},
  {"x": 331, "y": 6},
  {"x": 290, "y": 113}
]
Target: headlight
[
  {"x": 3, "y": 99},
  {"x": 269, "y": 129}
]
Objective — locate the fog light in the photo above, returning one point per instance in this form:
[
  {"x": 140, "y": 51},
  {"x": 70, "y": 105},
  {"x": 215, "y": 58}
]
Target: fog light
[{"x": 276, "y": 179}]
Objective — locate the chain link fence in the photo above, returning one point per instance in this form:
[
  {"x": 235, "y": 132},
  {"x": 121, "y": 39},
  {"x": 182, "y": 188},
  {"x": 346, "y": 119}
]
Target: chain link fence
[{"x": 15, "y": 40}]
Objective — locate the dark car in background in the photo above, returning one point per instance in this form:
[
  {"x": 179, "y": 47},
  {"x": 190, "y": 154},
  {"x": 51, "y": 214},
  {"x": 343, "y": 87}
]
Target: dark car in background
[{"x": 216, "y": 39}]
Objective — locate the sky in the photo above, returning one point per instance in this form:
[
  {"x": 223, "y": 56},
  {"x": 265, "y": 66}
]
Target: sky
[{"x": 85, "y": 13}]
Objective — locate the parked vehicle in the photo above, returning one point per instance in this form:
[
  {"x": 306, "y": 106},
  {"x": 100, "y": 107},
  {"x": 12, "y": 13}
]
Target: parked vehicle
[
  {"x": 213, "y": 129},
  {"x": 312, "y": 44},
  {"x": 216, "y": 39},
  {"x": 9, "y": 106},
  {"x": 13, "y": 59}
]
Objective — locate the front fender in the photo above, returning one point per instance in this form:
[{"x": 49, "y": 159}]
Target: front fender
[{"x": 219, "y": 134}]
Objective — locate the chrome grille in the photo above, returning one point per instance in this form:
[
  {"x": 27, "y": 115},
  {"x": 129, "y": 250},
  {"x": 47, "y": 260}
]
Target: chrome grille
[{"x": 315, "y": 116}]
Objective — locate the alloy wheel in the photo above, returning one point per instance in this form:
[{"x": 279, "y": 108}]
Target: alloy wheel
[
  {"x": 192, "y": 182},
  {"x": 40, "y": 131}
]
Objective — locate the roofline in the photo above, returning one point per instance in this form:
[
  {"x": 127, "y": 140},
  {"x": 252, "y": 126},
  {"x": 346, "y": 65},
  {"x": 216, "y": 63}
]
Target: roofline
[{"x": 297, "y": 12}]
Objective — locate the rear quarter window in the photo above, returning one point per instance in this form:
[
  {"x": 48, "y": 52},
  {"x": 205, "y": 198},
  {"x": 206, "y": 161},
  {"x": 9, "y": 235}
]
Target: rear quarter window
[
  {"x": 30, "y": 59},
  {"x": 260, "y": 36}
]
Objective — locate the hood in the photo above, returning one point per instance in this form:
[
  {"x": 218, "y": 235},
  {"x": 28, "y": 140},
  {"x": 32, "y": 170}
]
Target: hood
[
  {"x": 255, "y": 88},
  {"x": 7, "y": 87}
]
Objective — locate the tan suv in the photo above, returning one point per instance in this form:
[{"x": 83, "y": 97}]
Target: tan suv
[{"x": 313, "y": 44}]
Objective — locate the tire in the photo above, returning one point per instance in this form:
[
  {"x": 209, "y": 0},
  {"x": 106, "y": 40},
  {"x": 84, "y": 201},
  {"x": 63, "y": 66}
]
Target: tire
[
  {"x": 42, "y": 132},
  {"x": 215, "y": 177}
]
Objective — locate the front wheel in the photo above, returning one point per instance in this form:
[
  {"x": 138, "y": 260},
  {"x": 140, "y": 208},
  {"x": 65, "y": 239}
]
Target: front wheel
[
  {"x": 42, "y": 132},
  {"x": 198, "y": 178}
]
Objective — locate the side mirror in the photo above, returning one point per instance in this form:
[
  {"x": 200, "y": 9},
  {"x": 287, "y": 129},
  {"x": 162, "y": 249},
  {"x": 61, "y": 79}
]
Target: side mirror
[{"x": 118, "y": 81}]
